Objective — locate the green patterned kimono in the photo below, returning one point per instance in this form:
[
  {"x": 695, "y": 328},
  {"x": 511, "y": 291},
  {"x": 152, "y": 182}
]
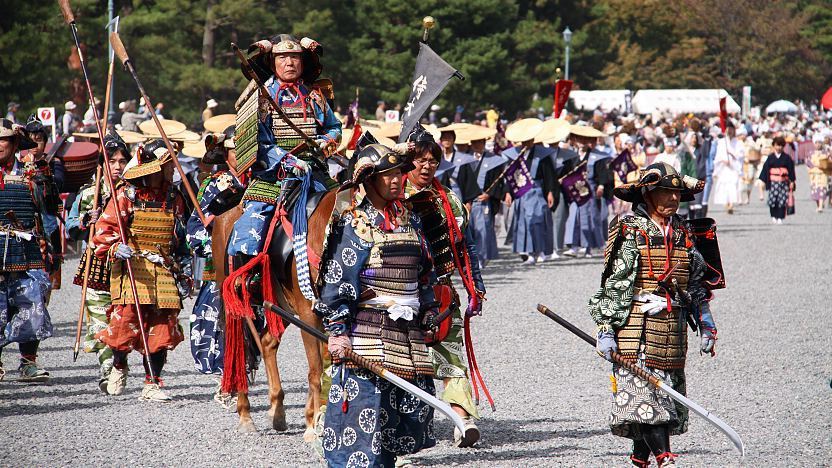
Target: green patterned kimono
[
  {"x": 634, "y": 402},
  {"x": 448, "y": 361},
  {"x": 97, "y": 301}
]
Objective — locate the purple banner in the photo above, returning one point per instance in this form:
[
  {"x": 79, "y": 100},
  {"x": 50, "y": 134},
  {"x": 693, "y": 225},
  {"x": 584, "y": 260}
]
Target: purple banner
[
  {"x": 623, "y": 164},
  {"x": 518, "y": 178},
  {"x": 575, "y": 185}
]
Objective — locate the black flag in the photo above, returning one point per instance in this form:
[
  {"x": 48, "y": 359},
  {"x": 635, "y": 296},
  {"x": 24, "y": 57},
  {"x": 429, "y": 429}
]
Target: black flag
[{"x": 430, "y": 78}]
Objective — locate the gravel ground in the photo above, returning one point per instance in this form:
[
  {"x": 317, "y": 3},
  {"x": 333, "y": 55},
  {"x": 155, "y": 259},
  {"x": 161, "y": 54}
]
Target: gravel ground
[{"x": 770, "y": 379}]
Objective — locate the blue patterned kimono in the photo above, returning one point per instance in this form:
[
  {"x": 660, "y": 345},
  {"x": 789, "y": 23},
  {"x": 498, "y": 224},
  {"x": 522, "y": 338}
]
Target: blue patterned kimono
[
  {"x": 207, "y": 340},
  {"x": 377, "y": 283},
  {"x": 24, "y": 283}
]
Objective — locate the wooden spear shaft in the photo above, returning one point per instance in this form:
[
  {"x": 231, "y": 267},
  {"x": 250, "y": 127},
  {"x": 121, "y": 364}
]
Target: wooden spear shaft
[
  {"x": 121, "y": 52},
  {"x": 88, "y": 253}
]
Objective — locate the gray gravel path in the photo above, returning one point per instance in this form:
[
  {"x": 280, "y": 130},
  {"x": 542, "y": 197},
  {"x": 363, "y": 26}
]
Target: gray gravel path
[{"x": 770, "y": 379}]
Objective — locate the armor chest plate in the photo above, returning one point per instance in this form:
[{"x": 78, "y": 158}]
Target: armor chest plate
[
  {"x": 393, "y": 266},
  {"x": 435, "y": 227},
  {"x": 662, "y": 338},
  {"x": 18, "y": 215},
  {"x": 302, "y": 115},
  {"x": 152, "y": 229}
]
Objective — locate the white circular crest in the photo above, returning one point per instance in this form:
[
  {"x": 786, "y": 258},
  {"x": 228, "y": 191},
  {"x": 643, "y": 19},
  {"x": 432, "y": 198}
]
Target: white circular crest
[{"x": 333, "y": 272}]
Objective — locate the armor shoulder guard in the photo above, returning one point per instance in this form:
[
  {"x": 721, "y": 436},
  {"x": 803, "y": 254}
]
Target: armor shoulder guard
[
  {"x": 618, "y": 232},
  {"x": 325, "y": 87},
  {"x": 250, "y": 89},
  {"x": 129, "y": 192},
  {"x": 360, "y": 223}
]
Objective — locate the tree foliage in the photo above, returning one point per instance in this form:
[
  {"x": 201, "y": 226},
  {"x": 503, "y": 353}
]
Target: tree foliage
[{"x": 508, "y": 50}]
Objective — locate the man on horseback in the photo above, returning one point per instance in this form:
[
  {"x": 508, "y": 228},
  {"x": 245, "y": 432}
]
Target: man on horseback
[{"x": 281, "y": 159}]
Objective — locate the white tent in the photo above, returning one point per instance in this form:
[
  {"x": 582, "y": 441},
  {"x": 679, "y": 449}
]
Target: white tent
[
  {"x": 682, "y": 101},
  {"x": 604, "y": 99},
  {"x": 781, "y": 106}
]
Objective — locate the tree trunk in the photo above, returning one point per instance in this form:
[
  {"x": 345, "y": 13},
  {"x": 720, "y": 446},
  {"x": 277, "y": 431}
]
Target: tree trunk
[{"x": 208, "y": 35}]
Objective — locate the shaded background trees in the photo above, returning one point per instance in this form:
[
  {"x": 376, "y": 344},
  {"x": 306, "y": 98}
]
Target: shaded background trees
[{"x": 507, "y": 49}]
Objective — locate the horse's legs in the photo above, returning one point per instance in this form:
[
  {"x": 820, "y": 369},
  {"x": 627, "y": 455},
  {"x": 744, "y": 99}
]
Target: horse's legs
[
  {"x": 246, "y": 424},
  {"x": 276, "y": 393},
  {"x": 313, "y": 358}
]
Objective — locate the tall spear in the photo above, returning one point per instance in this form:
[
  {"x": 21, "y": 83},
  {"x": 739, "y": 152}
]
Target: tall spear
[
  {"x": 96, "y": 198},
  {"x": 121, "y": 52},
  {"x": 70, "y": 19}
]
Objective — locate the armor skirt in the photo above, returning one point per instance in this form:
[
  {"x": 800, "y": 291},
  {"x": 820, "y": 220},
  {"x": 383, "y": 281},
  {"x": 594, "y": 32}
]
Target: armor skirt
[{"x": 636, "y": 402}]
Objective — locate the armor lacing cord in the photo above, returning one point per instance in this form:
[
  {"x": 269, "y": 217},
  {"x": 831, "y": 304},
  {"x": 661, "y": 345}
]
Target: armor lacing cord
[
  {"x": 463, "y": 266},
  {"x": 290, "y": 87},
  {"x": 238, "y": 306}
]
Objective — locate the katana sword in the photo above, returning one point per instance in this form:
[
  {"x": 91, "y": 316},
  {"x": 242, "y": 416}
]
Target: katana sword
[
  {"x": 644, "y": 374},
  {"x": 374, "y": 367}
]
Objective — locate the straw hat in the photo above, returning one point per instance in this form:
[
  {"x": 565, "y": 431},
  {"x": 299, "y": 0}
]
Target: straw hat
[
  {"x": 524, "y": 130},
  {"x": 554, "y": 131},
  {"x": 131, "y": 138},
  {"x": 471, "y": 133},
  {"x": 390, "y": 130},
  {"x": 149, "y": 161},
  {"x": 187, "y": 136},
  {"x": 379, "y": 136},
  {"x": 454, "y": 127},
  {"x": 586, "y": 131},
  {"x": 218, "y": 123},
  {"x": 433, "y": 130},
  {"x": 193, "y": 149},
  {"x": 171, "y": 127}
]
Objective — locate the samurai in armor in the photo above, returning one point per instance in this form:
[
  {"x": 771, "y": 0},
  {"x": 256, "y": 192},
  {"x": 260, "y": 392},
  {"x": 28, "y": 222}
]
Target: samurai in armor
[
  {"x": 82, "y": 217},
  {"x": 445, "y": 223},
  {"x": 25, "y": 253},
  {"x": 153, "y": 214},
  {"x": 218, "y": 192},
  {"x": 51, "y": 194},
  {"x": 377, "y": 299},
  {"x": 654, "y": 284},
  {"x": 289, "y": 69}
]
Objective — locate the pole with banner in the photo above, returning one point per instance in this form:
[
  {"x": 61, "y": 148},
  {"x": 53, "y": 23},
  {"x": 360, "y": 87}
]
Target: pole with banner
[
  {"x": 47, "y": 117},
  {"x": 723, "y": 114},
  {"x": 562, "y": 90},
  {"x": 430, "y": 77}
]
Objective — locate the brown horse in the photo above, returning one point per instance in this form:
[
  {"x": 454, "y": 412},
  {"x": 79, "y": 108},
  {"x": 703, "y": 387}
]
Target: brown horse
[{"x": 292, "y": 299}]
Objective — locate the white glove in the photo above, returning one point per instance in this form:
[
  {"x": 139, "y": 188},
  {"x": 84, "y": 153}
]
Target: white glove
[{"x": 123, "y": 252}]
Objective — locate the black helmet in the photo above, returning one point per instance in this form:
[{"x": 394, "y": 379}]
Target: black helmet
[{"x": 378, "y": 159}]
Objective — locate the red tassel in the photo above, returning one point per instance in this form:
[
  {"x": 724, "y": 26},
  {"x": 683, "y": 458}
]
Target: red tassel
[
  {"x": 463, "y": 266},
  {"x": 237, "y": 307}
]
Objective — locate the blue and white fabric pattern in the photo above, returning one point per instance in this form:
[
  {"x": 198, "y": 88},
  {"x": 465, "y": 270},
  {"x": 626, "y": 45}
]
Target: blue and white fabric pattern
[
  {"x": 23, "y": 314},
  {"x": 369, "y": 421}
]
